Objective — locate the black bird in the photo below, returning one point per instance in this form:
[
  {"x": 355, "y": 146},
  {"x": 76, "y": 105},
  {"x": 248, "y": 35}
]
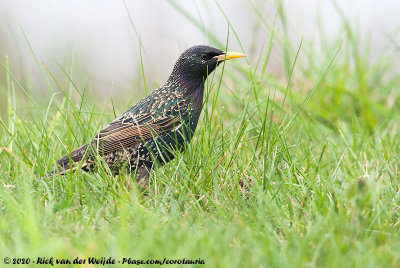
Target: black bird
[{"x": 156, "y": 126}]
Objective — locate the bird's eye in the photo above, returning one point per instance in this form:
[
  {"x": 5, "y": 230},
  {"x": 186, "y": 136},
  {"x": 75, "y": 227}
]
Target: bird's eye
[{"x": 204, "y": 56}]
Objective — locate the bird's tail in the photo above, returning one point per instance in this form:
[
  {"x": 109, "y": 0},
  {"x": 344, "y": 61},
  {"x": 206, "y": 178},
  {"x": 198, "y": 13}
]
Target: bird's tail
[
  {"x": 61, "y": 170},
  {"x": 69, "y": 163}
]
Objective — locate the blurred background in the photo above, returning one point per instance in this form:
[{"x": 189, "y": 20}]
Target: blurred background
[{"x": 103, "y": 40}]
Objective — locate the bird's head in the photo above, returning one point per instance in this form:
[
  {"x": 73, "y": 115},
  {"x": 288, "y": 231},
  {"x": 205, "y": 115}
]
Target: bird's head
[{"x": 196, "y": 63}]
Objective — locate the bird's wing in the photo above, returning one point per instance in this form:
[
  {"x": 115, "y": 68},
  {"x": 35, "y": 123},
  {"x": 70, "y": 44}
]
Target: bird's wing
[
  {"x": 129, "y": 129},
  {"x": 125, "y": 132}
]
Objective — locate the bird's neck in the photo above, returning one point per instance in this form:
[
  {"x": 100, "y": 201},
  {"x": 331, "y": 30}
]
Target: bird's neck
[
  {"x": 193, "y": 93},
  {"x": 185, "y": 81},
  {"x": 196, "y": 95},
  {"x": 191, "y": 89}
]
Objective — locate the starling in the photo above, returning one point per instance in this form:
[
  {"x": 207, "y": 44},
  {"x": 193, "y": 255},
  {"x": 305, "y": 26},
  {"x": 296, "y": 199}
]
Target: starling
[{"x": 158, "y": 125}]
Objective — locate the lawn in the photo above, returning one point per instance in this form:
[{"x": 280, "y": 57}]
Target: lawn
[{"x": 294, "y": 171}]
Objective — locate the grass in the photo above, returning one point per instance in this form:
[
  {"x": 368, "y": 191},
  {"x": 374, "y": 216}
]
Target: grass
[{"x": 300, "y": 171}]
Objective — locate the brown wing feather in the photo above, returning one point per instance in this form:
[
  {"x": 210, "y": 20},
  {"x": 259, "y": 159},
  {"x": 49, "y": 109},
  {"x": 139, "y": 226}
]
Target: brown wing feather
[
  {"x": 124, "y": 132},
  {"x": 122, "y": 135}
]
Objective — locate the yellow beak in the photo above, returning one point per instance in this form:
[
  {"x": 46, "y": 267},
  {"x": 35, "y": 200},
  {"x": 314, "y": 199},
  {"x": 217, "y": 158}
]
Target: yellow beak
[{"x": 229, "y": 55}]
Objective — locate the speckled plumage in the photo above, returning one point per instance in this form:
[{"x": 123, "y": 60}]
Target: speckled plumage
[{"x": 157, "y": 125}]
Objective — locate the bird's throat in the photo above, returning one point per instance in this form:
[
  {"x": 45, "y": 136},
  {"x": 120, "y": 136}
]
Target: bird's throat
[{"x": 197, "y": 95}]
